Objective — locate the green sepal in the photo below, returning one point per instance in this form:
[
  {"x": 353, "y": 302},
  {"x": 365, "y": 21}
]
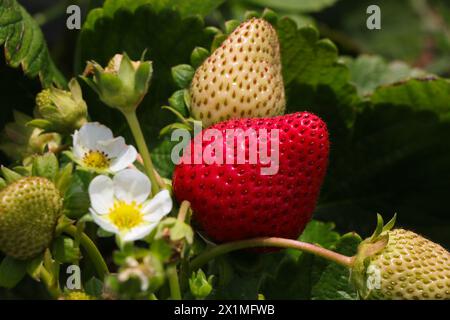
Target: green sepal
[
  {"x": 65, "y": 250},
  {"x": 231, "y": 25},
  {"x": 40, "y": 123},
  {"x": 9, "y": 175},
  {"x": 251, "y": 14},
  {"x": 366, "y": 250},
  {"x": 63, "y": 223},
  {"x": 46, "y": 166},
  {"x": 34, "y": 267},
  {"x": 178, "y": 230},
  {"x": 176, "y": 101},
  {"x": 199, "y": 55},
  {"x": 24, "y": 171},
  {"x": 212, "y": 31},
  {"x": 182, "y": 75},
  {"x": 126, "y": 71},
  {"x": 143, "y": 76},
  {"x": 103, "y": 233},
  {"x": 64, "y": 178},
  {"x": 199, "y": 285},
  {"x": 270, "y": 16},
  {"x": 3, "y": 183},
  {"x": 217, "y": 41},
  {"x": 187, "y": 100},
  {"x": 174, "y": 126}
]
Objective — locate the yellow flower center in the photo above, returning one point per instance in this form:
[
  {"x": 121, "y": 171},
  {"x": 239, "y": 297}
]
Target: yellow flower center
[
  {"x": 126, "y": 216},
  {"x": 96, "y": 159}
]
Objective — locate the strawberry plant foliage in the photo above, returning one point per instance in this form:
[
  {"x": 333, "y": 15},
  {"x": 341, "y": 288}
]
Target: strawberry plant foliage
[
  {"x": 378, "y": 126},
  {"x": 24, "y": 44}
]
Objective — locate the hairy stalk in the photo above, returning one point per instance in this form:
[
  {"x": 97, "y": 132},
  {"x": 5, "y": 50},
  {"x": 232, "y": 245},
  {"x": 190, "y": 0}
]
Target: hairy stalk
[
  {"x": 204, "y": 257},
  {"x": 184, "y": 208},
  {"x": 174, "y": 283},
  {"x": 143, "y": 149},
  {"x": 91, "y": 249}
]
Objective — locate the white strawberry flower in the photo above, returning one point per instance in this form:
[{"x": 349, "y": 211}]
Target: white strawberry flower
[
  {"x": 120, "y": 205},
  {"x": 95, "y": 148}
]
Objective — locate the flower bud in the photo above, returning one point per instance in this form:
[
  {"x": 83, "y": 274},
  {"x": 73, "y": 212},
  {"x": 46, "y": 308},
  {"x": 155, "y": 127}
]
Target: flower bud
[
  {"x": 59, "y": 110},
  {"x": 122, "y": 84},
  {"x": 20, "y": 142}
]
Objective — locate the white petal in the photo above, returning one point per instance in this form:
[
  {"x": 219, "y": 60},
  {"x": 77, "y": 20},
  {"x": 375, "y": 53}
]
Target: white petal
[
  {"x": 124, "y": 160},
  {"x": 139, "y": 232},
  {"x": 78, "y": 149},
  {"x": 158, "y": 207},
  {"x": 91, "y": 133},
  {"x": 131, "y": 185},
  {"x": 112, "y": 147},
  {"x": 101, "y": 193},
  {"x": 103, "y": 222}
]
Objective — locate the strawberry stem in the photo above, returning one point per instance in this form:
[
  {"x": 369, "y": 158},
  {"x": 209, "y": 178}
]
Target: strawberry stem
[
  {"x": 174, "y": 283},
  {"x": 143, "y": 149},
  {"x": 204, "y": 257},
  {"x": 184, "y": 208},
  {"x": 91, "y": 249}
]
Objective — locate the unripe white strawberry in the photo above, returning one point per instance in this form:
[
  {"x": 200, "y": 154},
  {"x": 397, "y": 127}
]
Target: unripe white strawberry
[
  {"x": 242, "y": 78},
  {"x": 405, "y": 267},
  {"x": 29, "y": 210}
]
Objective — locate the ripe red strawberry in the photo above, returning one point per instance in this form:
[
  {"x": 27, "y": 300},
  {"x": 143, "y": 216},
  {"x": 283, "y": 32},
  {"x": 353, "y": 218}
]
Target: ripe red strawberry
[{"x": 235, "y": 201}]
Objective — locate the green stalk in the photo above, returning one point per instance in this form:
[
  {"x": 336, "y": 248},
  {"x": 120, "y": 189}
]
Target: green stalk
[
  {"x": 143, "y": 149},
  {"x": 91, "y": 249},
  {"x": 204, "y": 257},
  {"x": 174, "y": 284},
  {"x": 50, "y": 283}
]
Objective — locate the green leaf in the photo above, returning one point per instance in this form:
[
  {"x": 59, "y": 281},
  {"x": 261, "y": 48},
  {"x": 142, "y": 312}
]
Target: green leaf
[
  {"x": 320, "y": 233},
  {"x": 25, "y": 45},
  {"x": 420, "y": 94},
  {"x": 294, "y": 5},
  {"x": 313, "y": 75},
  {"x": 46, "y": 166},
  {"x": 334, "y": 282},
  {"x": 398, "y": 161},
  {"x": 370, "y": 72},
  {"x": 12, "y": 272},
  {"x": 94, "y": 287},
  {"x": 182, "y": 75}
]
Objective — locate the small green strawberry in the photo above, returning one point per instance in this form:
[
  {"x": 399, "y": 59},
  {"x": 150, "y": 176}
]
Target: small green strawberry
[
  {"x": 242, "y": 78},
  {"x": 29, "y": 210},
  {"x": 59, "y": 110},
  {"x": 400, "y": 264}
]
